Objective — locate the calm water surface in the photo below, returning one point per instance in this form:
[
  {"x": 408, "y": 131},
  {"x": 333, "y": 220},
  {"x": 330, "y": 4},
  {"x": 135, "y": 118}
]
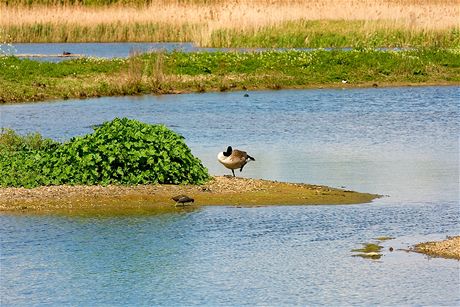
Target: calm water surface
[
  {"x": 401, "y": 142},
  {"x": 100, "y": 50},
  {"x": 111, "y": 50},
  {"x": 121, "y": 50}
]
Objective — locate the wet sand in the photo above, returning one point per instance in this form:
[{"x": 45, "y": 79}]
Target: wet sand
[{"x": 221, "y": 190}]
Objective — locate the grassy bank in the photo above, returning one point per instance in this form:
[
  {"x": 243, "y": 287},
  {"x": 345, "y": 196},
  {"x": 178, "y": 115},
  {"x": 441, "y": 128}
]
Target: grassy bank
[
  {"x": 25, "y": 80},
  {"x": 243, "y": 23}
]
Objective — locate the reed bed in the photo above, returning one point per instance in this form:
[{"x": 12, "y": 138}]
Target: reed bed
[{"x": 220, "y": 23}]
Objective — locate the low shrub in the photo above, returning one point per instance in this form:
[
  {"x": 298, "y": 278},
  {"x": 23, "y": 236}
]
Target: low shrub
[
  {"x": 11, "y": 141},
  {"x": 122, "y": 151}
]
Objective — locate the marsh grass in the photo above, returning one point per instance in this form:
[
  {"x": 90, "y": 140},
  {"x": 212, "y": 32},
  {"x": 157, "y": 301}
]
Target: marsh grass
[
  {"x": 335, "y": 34},
  {"x": 176, "y": 72},
  {"x": 243, "y": 23},
  {"x": 368, "y": 251},
  {"x": 157, "y": 76},
  {"x": 368, "y": 248},
  {"x": 135, "y": 71}
]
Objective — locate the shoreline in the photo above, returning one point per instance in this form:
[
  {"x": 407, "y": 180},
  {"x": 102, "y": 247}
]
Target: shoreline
[
  {"x": 338, "y": 86},
  {"x": 448, "y": 248},
  {"x": 221, "y": 190}
]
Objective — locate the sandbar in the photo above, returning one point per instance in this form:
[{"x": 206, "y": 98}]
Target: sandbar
[{"x": 220, "y": 190}]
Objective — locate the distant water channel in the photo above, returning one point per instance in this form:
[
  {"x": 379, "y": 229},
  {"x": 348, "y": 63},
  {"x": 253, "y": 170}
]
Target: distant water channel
[
  {"x": 400, "y": 142},
  {"x": 99, "y": 50},
  {"x": 119, "y": 50}
]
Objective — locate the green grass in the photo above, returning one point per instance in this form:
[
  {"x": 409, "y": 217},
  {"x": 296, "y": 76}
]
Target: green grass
[{"x": 26, "y": 80}]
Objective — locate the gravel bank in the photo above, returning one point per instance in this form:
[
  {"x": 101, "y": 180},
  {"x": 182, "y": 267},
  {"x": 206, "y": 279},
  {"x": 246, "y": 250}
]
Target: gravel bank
[
  {"x": 449, "y": 248},
  {"x": 221, "y": 190}
]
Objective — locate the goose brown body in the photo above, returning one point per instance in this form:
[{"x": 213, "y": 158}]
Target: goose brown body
[{"x": 234, "y": 159}]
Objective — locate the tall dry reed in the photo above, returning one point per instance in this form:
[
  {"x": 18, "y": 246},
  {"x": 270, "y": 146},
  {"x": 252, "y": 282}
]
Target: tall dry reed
[{"x": 197, "y": 20}]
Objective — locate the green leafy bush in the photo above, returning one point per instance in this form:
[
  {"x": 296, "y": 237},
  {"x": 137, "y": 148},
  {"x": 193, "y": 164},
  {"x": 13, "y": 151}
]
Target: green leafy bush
[
  {"x": 21, "y": 158},
  {"x": 11, "y": 141},
  {"x": 122, "y": 151}
]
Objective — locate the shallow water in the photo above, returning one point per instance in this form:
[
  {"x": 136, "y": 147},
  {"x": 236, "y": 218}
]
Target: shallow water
[
  {"x": 122, "y": 50},
  {"x": 401, "y": 142},
  {"x": 100, "y": 50}
]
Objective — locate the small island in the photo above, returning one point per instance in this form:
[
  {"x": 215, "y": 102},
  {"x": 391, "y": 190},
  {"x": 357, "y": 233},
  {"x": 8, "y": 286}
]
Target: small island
[
  {"x": 128, "y": 165},
  {"x": 220, "y": 190}
]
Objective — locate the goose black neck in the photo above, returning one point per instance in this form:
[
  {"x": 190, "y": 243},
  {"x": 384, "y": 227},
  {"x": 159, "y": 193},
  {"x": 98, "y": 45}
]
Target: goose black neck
[{"x": 229, "y": 151}]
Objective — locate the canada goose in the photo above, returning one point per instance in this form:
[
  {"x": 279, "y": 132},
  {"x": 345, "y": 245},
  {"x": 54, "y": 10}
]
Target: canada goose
[
  {"x": 182, "y": 199},
  {"x": 234, "y": 158}
]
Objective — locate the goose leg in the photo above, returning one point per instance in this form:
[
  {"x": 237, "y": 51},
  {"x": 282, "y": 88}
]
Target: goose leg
[{"x": 233, "y": 173}]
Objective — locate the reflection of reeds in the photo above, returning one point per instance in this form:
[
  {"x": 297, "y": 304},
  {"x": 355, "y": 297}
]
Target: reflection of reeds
[{"x": 199, "y": 21}]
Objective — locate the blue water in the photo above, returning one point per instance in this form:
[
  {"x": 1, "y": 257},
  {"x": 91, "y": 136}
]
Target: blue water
[
  {"x": 401, "y": 142},
  {"x": 122, "y": 50},
  {"x": 100, "y": 50}
]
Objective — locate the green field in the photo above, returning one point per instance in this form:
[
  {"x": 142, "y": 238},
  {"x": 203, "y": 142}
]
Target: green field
[{"x": 177, "y": 72}]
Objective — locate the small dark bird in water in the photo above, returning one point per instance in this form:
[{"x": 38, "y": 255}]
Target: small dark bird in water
[
  {"x": 234, "y": 158},
  {"x": 182, "y": 200},
  {"x": 246, "y": 95},
  {"x": 66, "y": 53}
]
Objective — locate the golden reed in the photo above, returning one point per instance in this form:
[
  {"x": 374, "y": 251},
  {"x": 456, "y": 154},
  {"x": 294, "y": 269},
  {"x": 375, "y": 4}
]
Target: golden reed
[{"x": 197, "y": 20}]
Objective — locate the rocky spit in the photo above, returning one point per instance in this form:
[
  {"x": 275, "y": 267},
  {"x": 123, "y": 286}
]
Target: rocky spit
[
  {"x": 220, "y": 190},
  {"x": 448, "y": 248}
]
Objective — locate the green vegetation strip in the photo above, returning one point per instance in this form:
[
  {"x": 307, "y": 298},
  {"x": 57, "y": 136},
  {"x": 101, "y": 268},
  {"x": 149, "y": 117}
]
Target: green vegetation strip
[
  {"x": 122, "y": 151},
  {"x": 178, "y": 72},
  {"x": 371, "y": 250}
]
